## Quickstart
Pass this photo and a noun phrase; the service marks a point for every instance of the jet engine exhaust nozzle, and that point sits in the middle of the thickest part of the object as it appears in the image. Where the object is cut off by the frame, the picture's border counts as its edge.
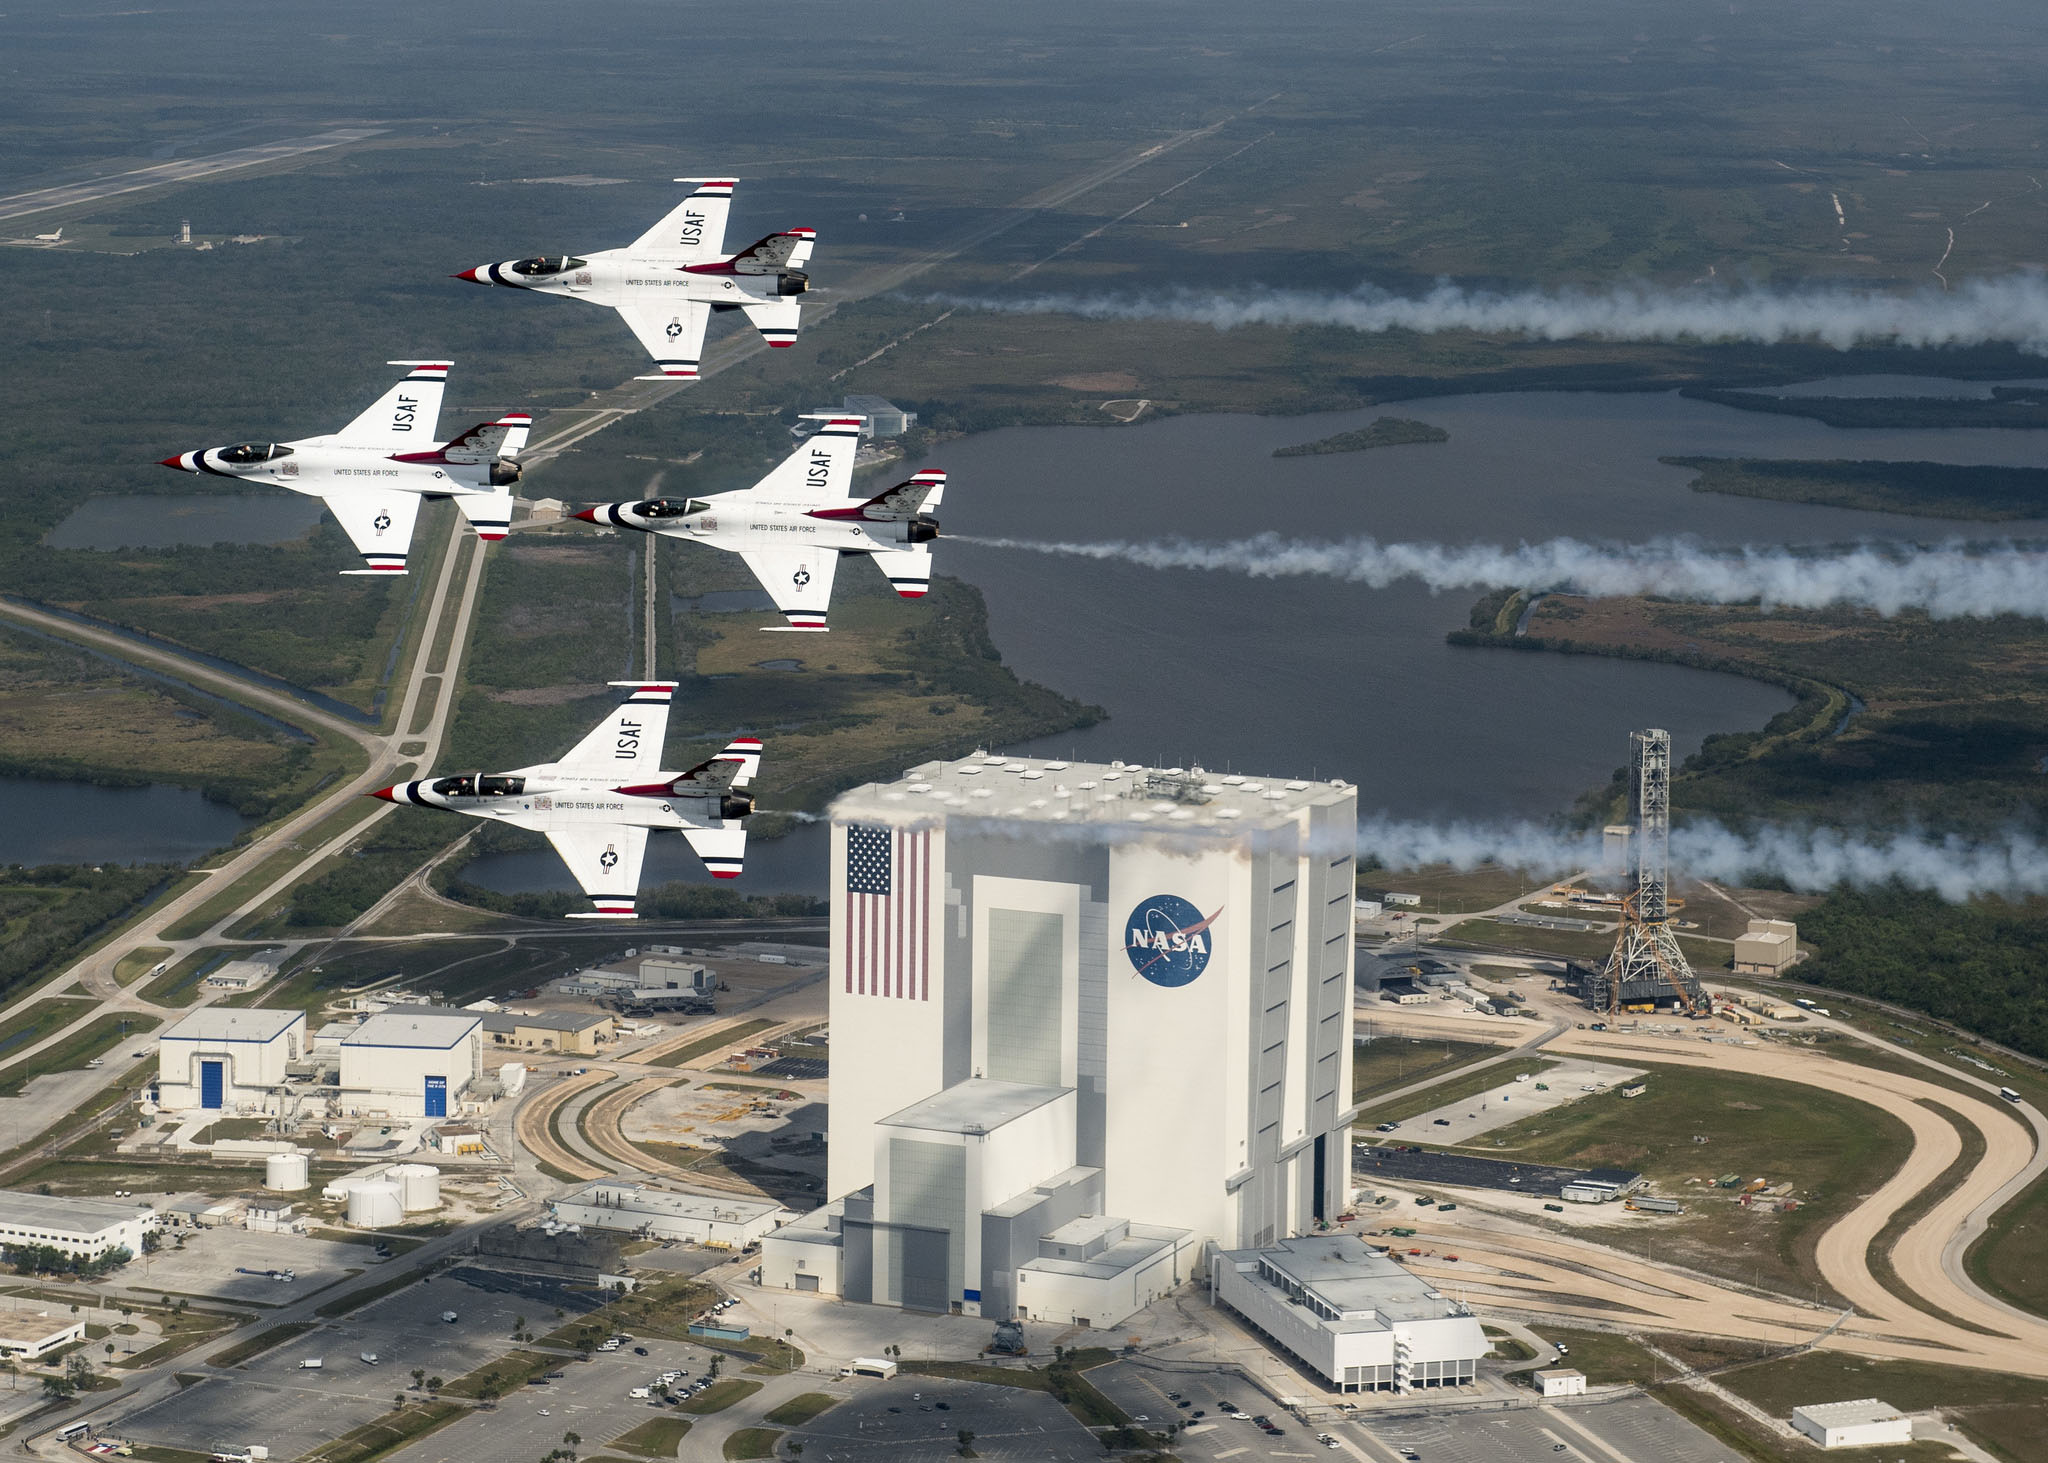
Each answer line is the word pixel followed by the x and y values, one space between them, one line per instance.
pixel 735 805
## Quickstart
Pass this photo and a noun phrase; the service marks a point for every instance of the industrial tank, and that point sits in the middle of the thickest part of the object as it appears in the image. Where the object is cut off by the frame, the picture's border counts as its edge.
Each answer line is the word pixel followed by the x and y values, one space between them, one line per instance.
pixel 375 1205
pixel 419 1186
pixel 287 1173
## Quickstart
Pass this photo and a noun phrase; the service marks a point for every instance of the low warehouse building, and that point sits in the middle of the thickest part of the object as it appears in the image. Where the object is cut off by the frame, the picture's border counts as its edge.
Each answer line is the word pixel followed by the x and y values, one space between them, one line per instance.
pixel 29 1335
pixel 562 1031
pixel 1860 1424
pixel 660 1214
pixel 1359 1320
pixel 1561 1381
pixel 85 1228
pixel 410 1064
pixel 221 1060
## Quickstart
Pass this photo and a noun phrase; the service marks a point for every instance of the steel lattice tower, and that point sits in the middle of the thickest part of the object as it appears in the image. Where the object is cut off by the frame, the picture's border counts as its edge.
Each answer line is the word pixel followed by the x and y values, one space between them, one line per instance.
pixel 1647 963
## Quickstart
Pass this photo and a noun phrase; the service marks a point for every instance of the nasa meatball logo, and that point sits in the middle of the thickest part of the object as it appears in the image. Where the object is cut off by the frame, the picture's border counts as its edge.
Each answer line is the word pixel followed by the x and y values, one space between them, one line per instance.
pixel 1168 940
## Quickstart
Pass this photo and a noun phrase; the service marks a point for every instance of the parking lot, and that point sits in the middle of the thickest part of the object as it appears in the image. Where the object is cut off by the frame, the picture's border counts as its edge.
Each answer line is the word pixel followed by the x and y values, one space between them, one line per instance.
pixel 1510 1102
pixel 206 1266
pixel 1144 1392
pixel 901 1419
pixel 1392 1162
pixel 1633 1428
pixel 275 1402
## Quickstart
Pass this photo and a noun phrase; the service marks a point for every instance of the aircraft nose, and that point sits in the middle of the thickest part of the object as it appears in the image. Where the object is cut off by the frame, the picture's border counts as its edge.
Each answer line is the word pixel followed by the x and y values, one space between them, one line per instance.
pixel 588 515
pixel 177 463
pixel 384 793
pixel 474 276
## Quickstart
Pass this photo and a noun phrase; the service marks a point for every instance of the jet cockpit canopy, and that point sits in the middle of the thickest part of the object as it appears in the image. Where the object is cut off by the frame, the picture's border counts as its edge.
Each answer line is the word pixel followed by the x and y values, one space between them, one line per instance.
pixel 542 265
pixel 671 507
pixel 242 454
pixel 461 785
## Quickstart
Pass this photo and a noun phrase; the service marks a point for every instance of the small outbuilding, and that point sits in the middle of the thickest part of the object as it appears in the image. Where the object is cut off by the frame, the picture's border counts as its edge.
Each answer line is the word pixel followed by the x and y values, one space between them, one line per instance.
pixel 1860 1424
pixel 1561 1381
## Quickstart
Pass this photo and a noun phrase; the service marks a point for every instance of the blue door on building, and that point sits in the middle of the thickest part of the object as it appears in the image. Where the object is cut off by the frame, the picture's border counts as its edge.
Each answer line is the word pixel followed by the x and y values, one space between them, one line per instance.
pixel 437 1097
pixel 211 1086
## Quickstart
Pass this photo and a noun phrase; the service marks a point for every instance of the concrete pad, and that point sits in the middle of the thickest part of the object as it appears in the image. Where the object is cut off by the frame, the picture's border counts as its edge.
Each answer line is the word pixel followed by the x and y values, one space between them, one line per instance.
pixel 1459 1122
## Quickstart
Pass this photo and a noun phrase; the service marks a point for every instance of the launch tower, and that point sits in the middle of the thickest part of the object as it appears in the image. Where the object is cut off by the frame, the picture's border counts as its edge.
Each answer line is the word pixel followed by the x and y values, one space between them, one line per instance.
pixel 1647 967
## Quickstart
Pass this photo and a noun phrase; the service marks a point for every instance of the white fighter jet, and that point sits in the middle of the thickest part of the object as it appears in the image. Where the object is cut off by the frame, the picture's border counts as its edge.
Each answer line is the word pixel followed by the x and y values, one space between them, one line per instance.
pixel 374 471
pixel 667 282
pixel 599 802
pixel 796 524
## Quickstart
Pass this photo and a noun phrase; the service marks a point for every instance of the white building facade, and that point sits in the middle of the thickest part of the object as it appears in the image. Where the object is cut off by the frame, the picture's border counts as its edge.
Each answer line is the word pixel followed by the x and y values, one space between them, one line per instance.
pixel 1864 1423
pixel 1359 1320
pixel 86 1228
pixel 410 1064
pixel 1164 955
pixel 223 1060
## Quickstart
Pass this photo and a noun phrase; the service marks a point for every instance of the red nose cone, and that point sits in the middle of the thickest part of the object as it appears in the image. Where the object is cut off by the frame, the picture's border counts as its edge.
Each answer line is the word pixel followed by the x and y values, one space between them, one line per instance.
pixel 588 515
pixel 474 276
pixel 382 792
pixel 176 463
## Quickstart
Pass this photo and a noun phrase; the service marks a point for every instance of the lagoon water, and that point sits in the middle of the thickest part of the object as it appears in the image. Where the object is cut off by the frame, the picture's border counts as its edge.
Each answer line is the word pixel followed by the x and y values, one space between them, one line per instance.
pixel 168 520
pixel 1308 677
pixel 50 822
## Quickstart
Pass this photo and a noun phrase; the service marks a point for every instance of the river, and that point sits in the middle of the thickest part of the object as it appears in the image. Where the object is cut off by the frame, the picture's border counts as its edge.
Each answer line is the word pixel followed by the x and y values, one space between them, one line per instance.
pixel 49 822
pixel 1320 678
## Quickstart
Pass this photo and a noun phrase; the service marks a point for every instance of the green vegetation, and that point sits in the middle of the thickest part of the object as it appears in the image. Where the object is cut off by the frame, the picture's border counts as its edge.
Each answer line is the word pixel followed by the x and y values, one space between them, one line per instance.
pixel 2011 1259
pixel 1977 964
pixel 800 1409
pixel 47 915
pixel 1832 1149
pixel 728 1036
pixel 720 1395
pixel 1605 1358
pixel 89 1041
pixel 1384 432
pixel 179 986
pixel 138 962
pixel 2007 406
pixel 182 1331
pixel 261 1342
pixel 40 1020
pixel 658 1437
pixel 1446 890
pixel 1924 489
pixel 341 1305
pixel 752 1442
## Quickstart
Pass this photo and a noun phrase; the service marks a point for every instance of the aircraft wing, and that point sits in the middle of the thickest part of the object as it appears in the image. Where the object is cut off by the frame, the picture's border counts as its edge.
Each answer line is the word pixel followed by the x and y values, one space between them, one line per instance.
pixel 799 580
pixel 408 412
pixel 604 859
pixel 626 745
pixel 380 521
pixel 723 849
pixel 694 230
pixel 672 333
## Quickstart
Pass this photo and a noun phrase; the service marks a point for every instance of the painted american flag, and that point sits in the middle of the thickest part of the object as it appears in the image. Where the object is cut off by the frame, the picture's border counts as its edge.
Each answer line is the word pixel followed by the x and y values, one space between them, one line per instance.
pixel 888 911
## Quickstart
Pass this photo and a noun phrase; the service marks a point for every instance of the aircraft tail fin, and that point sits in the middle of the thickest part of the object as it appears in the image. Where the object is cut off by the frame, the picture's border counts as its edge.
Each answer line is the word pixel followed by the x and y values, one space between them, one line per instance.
pixel 407 412
pixel 901 504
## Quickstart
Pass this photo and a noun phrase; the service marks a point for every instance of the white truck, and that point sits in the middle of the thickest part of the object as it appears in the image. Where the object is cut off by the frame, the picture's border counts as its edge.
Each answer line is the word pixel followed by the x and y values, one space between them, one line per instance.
pixel 312 1364
pixel 368 1358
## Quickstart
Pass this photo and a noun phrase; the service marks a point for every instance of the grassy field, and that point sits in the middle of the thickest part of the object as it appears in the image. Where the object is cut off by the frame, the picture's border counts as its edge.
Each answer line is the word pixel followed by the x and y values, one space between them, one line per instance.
pixel 720 1395
pixel 1490 934
pixel 800 1409
pixel 387 1434
pixel 1453 1089
pixel 1446 890
pixel 736 1035
pixel 1831 1149
pixel 1923 489
pixel 2005 1414
pixel 658 1437
pixel 261 1342
pixel 1395 1061
pixel 93 1040
pixel 33 1024
pixel 752 1442
pixel 179 986
pixel 137 963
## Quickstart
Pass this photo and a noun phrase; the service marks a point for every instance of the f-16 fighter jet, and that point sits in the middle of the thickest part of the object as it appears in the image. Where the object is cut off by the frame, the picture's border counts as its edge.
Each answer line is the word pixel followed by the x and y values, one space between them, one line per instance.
pixel 374 471
pixel 598 803
pixel 667 282
pixel 796 524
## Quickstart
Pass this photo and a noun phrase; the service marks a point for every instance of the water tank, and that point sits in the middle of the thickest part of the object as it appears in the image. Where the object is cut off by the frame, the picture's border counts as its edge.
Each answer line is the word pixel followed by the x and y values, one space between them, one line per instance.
pixel 375 1205
pixel 287 1173
pixel 419 1186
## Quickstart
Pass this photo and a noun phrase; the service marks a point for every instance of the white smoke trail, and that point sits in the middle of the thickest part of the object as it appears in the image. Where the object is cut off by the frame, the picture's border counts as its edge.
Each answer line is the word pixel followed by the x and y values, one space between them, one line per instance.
pixel 1807 859
pixel 2010 308
pixel 1951 581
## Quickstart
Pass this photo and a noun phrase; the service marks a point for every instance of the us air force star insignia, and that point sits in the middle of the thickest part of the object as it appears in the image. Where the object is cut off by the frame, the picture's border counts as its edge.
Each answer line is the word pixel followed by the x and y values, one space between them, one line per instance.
pixel 381 522
pixel 609 858
pixel 800 578
pixel 675 328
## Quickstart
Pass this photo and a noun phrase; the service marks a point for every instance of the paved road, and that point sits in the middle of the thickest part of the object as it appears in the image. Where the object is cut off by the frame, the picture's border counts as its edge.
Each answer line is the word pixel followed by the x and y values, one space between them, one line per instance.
pixel 70 195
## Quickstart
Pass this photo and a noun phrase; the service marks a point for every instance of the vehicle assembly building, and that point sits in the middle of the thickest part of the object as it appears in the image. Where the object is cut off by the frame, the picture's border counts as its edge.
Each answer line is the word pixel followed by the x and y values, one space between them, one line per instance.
pixel 1086 1020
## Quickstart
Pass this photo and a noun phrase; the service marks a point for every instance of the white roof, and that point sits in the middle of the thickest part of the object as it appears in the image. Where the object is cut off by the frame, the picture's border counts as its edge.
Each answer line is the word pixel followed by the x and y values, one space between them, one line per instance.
pixel 1166 800
pixel 636 1199
pixel 1848 1414
pixel 437 1032
pixel 222 1023
pixel 978 1105
pixel 66 1215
